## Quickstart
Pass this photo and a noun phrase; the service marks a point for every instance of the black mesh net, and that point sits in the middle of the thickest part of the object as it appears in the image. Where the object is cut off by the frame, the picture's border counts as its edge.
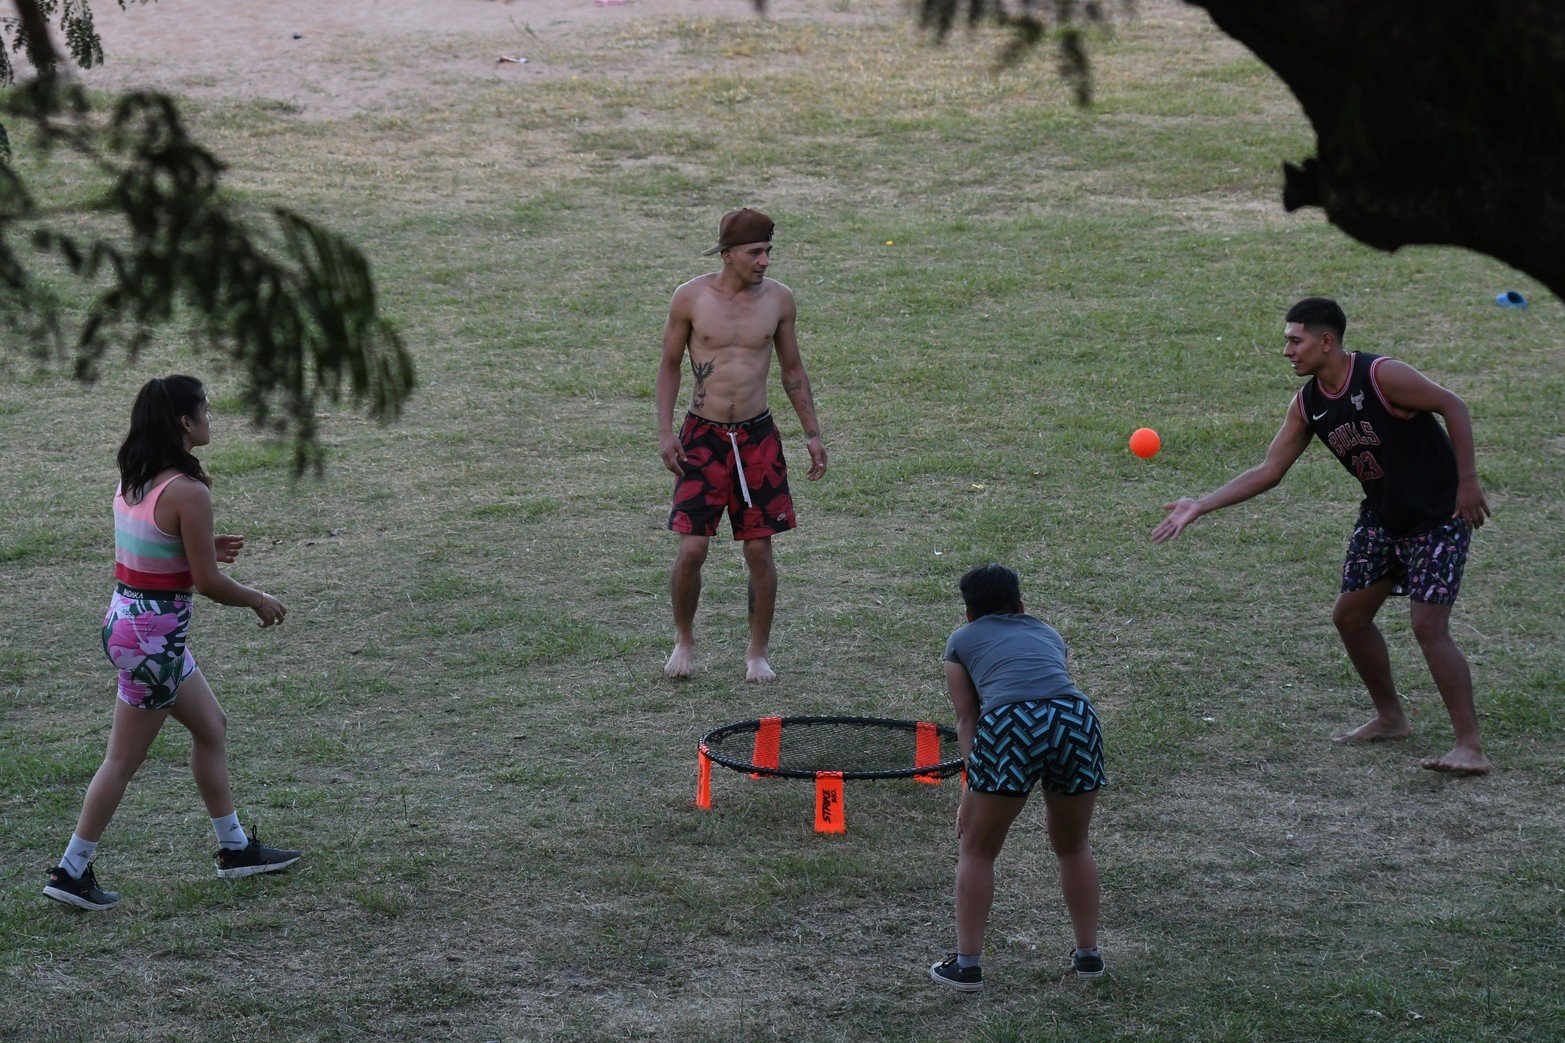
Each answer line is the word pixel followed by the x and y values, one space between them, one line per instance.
pixel 859 747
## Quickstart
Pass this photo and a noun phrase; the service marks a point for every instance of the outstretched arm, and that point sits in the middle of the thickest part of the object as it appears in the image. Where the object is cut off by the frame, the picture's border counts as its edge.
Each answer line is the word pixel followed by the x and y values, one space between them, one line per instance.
pixel 676 334
pixel 1409 390
pixel 192 503
pixel 797 385
pixel 1290 443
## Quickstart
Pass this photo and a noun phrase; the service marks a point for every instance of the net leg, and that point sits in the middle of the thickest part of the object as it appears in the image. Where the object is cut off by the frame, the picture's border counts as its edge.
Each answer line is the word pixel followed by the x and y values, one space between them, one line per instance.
pixel 704 781
pixel 829 816
pixel 768 739
pixel 927 752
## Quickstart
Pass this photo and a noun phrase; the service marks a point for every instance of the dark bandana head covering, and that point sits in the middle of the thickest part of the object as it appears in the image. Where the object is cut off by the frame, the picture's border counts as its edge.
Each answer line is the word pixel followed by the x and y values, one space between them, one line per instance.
pixel 741 226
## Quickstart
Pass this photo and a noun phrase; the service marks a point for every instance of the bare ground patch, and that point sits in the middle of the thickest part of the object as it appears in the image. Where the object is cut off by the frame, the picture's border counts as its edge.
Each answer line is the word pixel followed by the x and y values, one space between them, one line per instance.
pixel 358 56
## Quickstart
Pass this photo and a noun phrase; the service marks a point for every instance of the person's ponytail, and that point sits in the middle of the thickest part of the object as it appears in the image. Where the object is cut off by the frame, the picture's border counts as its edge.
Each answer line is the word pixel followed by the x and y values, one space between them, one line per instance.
pixel 156 440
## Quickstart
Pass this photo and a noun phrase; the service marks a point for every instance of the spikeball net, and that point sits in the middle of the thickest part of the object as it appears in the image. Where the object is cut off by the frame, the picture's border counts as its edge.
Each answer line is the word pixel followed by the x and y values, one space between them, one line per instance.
pixel 830 750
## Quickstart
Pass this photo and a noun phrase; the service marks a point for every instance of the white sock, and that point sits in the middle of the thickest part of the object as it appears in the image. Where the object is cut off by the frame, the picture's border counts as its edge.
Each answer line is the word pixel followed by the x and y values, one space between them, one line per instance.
pixel 230 834
pixel 77 854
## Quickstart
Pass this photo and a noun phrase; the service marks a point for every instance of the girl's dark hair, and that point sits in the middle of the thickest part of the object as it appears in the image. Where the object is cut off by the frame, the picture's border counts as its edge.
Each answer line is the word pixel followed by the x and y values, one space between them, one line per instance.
pixel 991 589
pixel 156 441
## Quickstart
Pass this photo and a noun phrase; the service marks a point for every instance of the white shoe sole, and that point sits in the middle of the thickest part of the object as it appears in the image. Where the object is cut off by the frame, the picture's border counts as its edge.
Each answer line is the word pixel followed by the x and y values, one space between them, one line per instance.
pixel 77 900
pixel 270 867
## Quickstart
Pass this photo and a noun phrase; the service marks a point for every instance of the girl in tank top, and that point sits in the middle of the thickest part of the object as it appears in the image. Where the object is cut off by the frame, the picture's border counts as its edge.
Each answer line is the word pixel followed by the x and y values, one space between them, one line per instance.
pixel 164 553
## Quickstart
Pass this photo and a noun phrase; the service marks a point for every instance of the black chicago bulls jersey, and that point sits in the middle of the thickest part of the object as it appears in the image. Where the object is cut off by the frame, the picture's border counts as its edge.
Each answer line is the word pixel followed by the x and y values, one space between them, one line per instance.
pixel 1403 460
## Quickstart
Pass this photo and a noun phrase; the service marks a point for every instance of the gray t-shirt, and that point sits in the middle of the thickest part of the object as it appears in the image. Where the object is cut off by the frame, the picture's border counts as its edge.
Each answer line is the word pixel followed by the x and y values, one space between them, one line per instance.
pixel 1011 658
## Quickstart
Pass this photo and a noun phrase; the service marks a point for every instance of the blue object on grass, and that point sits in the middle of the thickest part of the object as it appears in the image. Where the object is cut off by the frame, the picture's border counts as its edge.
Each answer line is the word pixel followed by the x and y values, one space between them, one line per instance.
pixel 1510 299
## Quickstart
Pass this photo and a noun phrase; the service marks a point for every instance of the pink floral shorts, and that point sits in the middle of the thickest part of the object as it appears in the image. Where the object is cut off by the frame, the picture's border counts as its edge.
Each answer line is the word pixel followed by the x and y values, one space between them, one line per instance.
pixel 144 635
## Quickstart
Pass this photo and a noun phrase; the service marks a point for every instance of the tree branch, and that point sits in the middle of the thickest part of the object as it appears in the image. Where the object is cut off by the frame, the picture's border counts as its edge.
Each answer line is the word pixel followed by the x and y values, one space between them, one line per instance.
pixel 39 41
pixel 292 305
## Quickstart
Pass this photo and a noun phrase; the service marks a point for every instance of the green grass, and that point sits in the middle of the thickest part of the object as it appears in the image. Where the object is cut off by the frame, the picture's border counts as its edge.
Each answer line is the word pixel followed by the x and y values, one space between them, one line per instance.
pixel 464 720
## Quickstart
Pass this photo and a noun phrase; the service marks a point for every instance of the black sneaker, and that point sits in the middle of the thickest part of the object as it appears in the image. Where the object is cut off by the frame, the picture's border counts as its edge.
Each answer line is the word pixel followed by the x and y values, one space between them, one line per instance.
pixel 946 972
pixel 1087 964
pixel 83 892
pixel 253 858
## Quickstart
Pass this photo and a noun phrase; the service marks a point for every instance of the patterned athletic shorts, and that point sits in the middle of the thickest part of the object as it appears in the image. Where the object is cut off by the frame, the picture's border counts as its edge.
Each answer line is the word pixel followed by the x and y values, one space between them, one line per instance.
pixel 1426 567
pixel 144 635
pixel 733 467
pixel 1055 740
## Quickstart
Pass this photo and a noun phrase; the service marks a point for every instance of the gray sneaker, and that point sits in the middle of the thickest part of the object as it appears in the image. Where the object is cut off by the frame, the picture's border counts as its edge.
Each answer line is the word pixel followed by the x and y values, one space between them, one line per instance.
pixel 83 892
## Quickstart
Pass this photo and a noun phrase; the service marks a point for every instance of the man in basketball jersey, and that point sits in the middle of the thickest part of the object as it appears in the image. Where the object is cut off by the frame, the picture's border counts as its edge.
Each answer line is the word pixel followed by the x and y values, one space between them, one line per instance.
pixel 1421 503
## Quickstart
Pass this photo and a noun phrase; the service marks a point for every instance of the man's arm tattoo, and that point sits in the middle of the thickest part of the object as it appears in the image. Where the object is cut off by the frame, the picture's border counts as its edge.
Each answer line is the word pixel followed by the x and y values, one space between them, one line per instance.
pixel 800 395
pixel 702 370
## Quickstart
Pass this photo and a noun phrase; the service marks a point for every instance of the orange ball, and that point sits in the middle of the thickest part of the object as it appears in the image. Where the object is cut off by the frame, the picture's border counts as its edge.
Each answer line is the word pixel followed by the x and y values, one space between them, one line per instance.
pixel 1145 443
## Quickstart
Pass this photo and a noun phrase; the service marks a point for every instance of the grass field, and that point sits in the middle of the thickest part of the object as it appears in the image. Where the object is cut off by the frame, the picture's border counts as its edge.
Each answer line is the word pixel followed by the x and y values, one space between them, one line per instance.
pixel 464 720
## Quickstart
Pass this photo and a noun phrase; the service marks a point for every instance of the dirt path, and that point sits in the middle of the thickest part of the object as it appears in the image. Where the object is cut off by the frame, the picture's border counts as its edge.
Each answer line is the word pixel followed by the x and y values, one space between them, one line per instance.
pixel 292 50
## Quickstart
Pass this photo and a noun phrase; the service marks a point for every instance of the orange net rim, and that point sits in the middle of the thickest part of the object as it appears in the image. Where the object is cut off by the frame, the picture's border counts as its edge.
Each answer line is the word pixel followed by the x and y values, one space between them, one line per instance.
pixel 943 769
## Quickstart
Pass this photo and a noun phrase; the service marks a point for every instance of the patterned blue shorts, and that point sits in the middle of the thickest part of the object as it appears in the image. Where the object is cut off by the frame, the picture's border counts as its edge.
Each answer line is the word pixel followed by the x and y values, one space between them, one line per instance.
pixel 1053 740
pixel 1426 567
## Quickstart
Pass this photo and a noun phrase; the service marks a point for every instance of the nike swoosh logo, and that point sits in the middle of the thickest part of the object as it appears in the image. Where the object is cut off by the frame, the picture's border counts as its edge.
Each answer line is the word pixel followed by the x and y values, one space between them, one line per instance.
pixel 1316 416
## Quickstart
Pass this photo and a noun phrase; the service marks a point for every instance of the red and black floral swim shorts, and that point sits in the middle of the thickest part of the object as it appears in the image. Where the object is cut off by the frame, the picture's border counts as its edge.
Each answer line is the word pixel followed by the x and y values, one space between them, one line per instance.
pixel 737 467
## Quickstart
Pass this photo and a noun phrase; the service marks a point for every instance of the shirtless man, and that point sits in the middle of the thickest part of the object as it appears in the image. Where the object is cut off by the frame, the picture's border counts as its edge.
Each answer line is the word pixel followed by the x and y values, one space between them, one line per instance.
pixel 1421 503
pixel 727 456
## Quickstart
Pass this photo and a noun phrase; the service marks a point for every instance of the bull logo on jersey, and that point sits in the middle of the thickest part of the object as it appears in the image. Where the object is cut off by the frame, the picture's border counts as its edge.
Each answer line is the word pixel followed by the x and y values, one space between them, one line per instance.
pixel 1357 398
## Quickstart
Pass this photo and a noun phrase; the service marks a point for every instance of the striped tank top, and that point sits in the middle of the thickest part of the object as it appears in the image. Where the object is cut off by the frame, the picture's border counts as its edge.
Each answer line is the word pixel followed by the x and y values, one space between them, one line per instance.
pixel 146 557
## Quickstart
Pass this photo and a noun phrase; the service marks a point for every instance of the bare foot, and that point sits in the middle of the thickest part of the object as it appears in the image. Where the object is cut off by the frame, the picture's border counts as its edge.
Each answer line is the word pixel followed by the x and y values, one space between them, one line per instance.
pixel 679 661
pixel 1377 730
pixel 1460 761
pixel 758 670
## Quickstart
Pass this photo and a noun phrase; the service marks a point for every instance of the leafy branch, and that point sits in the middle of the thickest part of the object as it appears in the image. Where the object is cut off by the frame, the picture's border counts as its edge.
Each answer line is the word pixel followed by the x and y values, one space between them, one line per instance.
pixel 1029 23
pixel 292 306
